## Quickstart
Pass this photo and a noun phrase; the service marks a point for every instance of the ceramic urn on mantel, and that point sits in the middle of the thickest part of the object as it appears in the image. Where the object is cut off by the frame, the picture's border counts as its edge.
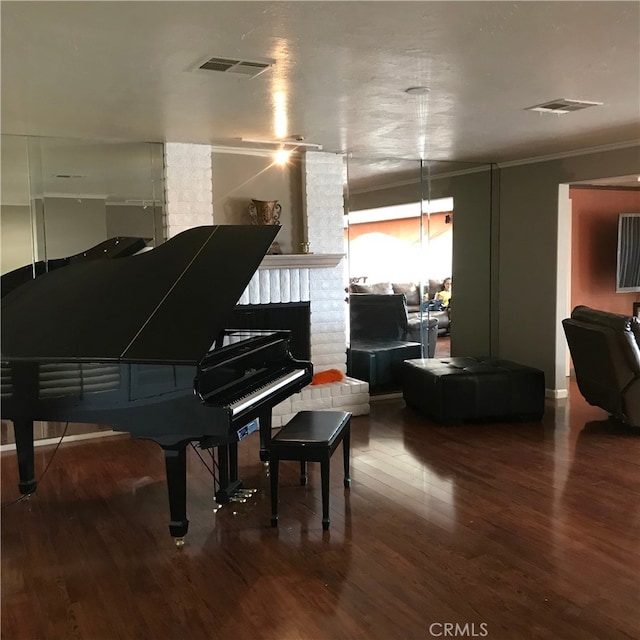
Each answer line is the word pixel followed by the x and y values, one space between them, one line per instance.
pixel 266 212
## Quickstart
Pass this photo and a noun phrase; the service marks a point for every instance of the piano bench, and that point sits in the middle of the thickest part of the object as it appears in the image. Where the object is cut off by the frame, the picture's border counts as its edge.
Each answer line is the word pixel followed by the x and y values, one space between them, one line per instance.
pixel 310 436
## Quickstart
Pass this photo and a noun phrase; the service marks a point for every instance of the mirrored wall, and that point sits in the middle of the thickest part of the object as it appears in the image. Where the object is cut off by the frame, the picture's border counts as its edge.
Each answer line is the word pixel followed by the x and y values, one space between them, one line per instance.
pixel 60 197
pixel 400 238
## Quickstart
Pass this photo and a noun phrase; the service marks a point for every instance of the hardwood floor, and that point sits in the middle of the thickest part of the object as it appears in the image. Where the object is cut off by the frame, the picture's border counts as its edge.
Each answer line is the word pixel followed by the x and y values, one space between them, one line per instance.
pixel 531 530
pixel 443 347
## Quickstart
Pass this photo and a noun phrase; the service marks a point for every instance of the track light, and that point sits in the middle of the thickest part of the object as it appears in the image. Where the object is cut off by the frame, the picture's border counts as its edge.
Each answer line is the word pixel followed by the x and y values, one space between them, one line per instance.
pixel 282 156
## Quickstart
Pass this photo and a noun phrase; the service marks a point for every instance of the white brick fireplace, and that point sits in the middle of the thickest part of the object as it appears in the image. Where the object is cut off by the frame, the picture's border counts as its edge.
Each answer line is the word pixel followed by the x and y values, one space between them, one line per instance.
pixel 317 278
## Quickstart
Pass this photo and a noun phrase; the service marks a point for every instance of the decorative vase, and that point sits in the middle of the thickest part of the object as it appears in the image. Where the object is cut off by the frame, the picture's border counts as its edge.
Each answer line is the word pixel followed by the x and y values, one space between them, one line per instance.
pixel 265 212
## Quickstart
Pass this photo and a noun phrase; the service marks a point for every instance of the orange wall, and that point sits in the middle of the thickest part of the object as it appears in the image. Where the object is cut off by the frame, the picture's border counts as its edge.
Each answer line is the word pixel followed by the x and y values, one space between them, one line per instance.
pixel 594 236
pixel 405 229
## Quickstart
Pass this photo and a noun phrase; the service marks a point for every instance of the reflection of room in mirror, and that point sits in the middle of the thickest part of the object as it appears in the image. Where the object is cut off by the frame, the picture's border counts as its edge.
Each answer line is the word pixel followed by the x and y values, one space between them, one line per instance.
pixel 61 196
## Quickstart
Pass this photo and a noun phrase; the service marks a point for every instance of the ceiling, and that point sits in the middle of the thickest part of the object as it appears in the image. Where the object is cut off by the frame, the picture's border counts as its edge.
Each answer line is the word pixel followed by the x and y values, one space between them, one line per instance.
pixel 127 71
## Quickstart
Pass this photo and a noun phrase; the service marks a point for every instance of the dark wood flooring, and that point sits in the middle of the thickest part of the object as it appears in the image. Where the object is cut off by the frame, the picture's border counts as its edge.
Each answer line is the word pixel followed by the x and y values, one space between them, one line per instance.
pixel 519 531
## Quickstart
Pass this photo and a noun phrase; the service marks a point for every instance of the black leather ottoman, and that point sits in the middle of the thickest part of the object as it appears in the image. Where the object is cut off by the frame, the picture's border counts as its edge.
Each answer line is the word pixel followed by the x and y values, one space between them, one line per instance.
pixel 453 390
pixel 380 363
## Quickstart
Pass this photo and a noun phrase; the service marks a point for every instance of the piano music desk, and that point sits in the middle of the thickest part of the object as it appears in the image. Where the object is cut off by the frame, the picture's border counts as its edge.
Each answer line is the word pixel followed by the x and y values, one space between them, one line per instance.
pixel 310 436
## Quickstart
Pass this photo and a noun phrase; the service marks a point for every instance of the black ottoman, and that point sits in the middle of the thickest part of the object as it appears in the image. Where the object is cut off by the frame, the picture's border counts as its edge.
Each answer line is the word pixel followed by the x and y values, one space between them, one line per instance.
pixel 453 390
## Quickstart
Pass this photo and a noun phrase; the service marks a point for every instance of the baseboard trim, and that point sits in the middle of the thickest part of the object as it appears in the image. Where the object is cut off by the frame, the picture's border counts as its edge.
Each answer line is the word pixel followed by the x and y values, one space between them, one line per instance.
pixel 556 394
pixel 385 396
pixel 74 438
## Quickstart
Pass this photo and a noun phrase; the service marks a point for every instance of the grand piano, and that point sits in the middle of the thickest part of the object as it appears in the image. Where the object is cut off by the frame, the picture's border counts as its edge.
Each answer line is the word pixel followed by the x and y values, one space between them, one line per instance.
pixel 139 343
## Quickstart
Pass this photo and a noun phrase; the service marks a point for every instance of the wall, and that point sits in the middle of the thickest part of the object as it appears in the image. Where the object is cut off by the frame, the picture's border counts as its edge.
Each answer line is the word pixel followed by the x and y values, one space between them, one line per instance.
pixel 134 221
pixel 532 297
pixel 16 248
pixel 594 237
pixel 239 178
pixel 73 224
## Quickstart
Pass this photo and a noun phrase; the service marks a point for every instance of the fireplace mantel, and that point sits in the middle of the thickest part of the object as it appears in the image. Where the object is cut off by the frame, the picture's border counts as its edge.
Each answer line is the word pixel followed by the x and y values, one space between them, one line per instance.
pixel 302 261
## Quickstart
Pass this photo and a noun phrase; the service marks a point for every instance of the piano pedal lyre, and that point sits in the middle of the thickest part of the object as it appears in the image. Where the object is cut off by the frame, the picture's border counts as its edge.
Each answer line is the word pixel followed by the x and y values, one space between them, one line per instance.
pixel 246 493
pixel 242 495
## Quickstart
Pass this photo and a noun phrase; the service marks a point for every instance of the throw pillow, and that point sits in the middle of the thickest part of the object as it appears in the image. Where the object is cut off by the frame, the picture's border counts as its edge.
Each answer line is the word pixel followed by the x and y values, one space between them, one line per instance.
pixel 330 375
pixel 411 292
pixel 381 288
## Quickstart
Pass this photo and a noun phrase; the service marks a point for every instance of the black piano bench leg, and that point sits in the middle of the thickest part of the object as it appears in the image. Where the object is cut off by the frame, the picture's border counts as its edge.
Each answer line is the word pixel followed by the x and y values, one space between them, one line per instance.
pixel 176 467
pixel 324 472
pixel 346 449
pixel 303 473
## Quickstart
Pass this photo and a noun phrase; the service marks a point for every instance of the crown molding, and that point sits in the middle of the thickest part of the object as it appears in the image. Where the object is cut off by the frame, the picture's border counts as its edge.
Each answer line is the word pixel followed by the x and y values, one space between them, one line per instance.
pixel 410 181
pixel 570 154
pixel 500 165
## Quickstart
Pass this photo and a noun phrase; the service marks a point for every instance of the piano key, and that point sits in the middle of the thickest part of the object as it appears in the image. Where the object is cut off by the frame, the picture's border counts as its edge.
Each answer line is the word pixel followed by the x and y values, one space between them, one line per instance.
pixel 243 403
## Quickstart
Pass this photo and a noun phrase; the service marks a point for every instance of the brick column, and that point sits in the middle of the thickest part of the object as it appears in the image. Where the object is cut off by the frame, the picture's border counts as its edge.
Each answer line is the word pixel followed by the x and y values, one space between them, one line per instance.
pixel 188 185
pixel 323 210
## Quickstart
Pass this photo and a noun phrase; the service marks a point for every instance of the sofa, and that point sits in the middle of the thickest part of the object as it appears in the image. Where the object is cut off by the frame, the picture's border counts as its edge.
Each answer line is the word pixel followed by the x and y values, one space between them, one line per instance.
pixel 382 337
pixel 605 350
pixel 411 292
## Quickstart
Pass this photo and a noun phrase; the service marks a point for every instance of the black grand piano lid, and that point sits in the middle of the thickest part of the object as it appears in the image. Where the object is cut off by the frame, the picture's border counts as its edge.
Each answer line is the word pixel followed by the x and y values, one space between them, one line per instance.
pixel 116 247
pixel 164 306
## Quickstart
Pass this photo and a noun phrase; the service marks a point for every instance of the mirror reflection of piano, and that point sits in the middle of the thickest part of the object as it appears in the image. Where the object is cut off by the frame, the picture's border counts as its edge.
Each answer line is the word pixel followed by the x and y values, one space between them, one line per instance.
pixel 138 343
pixel 118 247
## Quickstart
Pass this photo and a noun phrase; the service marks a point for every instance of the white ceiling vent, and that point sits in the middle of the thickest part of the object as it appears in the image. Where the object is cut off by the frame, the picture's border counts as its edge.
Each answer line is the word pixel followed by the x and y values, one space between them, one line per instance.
pixel 246 68
pixel 563 105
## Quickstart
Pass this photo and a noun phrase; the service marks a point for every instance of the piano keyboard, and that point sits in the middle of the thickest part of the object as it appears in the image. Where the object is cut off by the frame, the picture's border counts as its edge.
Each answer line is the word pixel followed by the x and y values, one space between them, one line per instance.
pixel 266 390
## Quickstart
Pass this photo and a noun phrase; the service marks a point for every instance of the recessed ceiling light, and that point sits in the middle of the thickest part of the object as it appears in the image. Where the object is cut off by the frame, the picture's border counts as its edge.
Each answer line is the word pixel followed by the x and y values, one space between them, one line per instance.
pixel 417 91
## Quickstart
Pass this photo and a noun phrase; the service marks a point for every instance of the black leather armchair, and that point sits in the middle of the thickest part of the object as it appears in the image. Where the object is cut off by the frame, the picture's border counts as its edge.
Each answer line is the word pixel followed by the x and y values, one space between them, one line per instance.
pixel 382 337
pixel 605 349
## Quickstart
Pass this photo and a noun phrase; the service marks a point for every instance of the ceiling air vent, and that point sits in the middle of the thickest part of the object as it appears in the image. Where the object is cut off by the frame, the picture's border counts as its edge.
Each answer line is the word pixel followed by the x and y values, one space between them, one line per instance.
pixel 563 105
pixel 247 68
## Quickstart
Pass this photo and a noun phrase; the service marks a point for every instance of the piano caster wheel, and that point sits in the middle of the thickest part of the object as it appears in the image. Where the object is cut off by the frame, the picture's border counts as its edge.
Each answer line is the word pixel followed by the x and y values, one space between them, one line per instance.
pixel 179 542
pixel 347 483
pixel 325 525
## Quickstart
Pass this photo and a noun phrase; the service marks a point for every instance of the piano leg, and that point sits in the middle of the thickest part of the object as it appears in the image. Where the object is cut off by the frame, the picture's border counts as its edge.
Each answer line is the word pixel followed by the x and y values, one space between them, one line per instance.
pixel 176 467
pixel 23 430
pixel 229 484
pixel 265 435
